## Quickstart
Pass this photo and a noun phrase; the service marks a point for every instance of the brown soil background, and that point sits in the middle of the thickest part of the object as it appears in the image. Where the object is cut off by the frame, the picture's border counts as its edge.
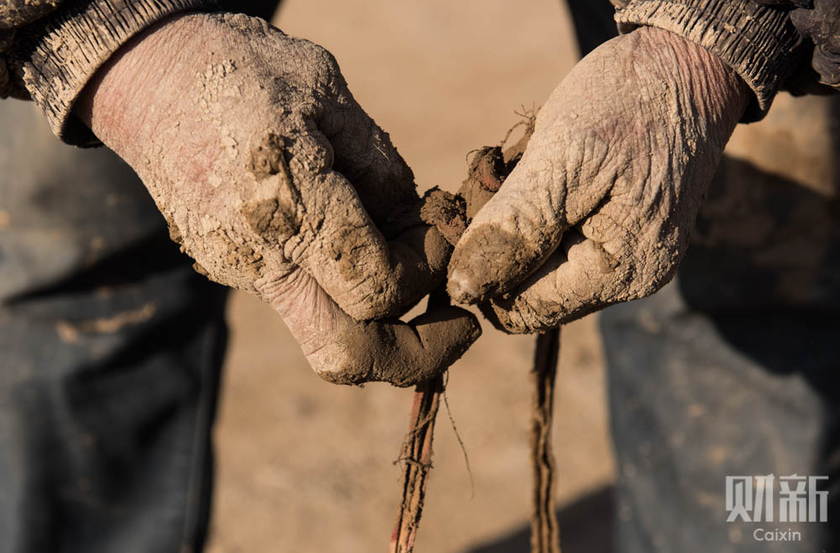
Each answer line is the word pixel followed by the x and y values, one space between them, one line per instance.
pixel 306 466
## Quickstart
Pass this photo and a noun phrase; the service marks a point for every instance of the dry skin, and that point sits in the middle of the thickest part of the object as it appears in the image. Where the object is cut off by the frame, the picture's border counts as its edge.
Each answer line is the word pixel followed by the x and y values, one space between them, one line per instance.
pixel 294 194
pixel 600 207
pixel 275 180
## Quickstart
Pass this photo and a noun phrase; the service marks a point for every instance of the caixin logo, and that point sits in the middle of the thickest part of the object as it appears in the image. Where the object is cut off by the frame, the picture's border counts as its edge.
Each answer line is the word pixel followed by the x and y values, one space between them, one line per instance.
pixel 791 498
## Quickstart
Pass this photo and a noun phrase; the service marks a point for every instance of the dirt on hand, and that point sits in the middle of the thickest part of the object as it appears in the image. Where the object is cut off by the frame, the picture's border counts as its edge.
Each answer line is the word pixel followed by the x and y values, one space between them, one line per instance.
pixel 249 142
pixel 600 208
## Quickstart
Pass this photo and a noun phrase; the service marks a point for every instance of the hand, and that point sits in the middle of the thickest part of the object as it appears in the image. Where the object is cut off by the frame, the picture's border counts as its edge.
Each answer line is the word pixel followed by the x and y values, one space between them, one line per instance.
pixel 277 182
pixel 600 207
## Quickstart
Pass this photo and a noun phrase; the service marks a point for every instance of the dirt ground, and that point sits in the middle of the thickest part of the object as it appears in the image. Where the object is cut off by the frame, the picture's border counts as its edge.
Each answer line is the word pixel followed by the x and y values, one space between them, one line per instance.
pixel 307 466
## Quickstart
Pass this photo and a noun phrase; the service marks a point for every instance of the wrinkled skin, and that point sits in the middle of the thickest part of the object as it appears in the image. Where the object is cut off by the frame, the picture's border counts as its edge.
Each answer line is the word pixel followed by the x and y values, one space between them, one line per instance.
pixel 277 182
pixel 599 209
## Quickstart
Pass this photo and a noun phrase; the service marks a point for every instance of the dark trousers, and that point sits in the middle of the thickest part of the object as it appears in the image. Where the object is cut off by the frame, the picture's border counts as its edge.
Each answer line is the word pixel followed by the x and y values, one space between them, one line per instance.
pixel 110 351
pixel 110 354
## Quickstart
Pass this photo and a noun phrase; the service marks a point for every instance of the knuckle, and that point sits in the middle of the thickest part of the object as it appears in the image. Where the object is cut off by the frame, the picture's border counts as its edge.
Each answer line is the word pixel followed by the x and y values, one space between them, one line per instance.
pixel 367 307
pixel 345 367
pixel 518 318
pixel 286 288
pixel 653 282
pixel 333 376
pixel 653 269
pixel 324 67
pixel 366 296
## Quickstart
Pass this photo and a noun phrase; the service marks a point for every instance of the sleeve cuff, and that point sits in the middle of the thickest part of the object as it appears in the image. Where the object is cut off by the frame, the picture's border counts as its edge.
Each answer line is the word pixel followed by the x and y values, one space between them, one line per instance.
pixel 56 56
pixel 757 42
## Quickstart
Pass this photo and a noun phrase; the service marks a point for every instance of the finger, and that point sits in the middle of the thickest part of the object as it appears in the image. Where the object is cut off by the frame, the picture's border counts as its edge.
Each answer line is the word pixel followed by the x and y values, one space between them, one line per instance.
pixel 344 351
pixel 367 276
pixel 524 222
pixel 578 279
pixel 608 258
pixel 365 155
pixel 333 238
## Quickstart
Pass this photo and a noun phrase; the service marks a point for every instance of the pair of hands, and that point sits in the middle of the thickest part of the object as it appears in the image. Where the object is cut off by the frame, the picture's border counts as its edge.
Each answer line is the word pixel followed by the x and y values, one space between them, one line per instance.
pixel 276 181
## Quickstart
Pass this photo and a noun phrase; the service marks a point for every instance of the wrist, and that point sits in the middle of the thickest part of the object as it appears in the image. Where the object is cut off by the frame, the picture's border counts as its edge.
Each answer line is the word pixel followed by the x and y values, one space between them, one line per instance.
pixel 717 93
pixel 138 86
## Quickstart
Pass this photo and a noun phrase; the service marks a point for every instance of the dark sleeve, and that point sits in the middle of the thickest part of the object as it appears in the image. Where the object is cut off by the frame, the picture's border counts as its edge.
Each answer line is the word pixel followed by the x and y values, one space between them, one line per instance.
pixel 14 14
pixel 53 57
pixel 819 24
pixel 757 41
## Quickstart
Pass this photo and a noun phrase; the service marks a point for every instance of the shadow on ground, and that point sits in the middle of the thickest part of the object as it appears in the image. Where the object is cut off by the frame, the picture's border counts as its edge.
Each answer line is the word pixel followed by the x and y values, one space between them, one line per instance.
pixel 585 527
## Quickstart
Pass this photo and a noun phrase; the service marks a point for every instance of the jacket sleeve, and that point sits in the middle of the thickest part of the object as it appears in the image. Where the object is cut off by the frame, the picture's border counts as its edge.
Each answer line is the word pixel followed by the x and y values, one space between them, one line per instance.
pixel 49 49
pixel 14 14
pixel 819 24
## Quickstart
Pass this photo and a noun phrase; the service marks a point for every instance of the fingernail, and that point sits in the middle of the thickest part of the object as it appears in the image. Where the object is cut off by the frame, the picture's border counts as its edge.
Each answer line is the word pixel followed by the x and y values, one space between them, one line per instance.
pixel 461 288
pixel 488 262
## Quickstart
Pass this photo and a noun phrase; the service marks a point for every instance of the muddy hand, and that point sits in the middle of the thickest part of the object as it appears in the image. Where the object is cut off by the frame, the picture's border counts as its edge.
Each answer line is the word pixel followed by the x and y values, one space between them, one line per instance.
pixel 277 182
pixel 600 207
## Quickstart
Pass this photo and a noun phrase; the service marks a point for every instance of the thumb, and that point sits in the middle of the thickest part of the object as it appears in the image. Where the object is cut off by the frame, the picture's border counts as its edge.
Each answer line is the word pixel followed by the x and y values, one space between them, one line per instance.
pixel 555 185
pixel 569 285
pixel 513 234
pixel 342 350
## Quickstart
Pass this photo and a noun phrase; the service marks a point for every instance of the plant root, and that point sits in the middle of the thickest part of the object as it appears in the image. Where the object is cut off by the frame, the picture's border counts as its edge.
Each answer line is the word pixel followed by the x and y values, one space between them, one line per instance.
pixel 451 214
pixel 545 536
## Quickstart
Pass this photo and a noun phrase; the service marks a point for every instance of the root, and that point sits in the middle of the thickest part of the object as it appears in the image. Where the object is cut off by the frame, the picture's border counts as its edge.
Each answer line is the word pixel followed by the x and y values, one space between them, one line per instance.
pixel 458 437
pixel 450 215
pixel 417 453
pixel 417 456
pixel 545 536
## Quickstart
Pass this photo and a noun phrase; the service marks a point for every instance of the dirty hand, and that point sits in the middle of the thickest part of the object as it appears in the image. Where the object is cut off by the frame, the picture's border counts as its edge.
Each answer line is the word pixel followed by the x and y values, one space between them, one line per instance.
pixel 600 207
pixel 277 182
